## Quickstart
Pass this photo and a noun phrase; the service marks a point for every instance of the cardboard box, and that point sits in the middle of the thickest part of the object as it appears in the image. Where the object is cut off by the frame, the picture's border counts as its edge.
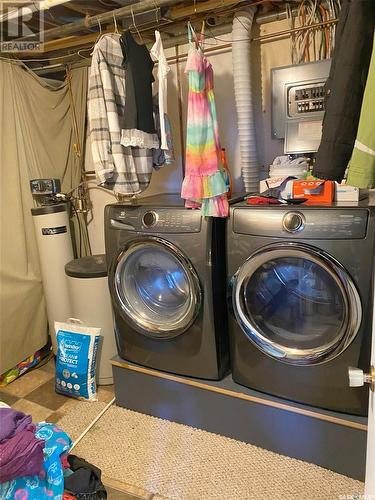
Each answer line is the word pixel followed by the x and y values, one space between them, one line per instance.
pixel 316 191
pixel 343 192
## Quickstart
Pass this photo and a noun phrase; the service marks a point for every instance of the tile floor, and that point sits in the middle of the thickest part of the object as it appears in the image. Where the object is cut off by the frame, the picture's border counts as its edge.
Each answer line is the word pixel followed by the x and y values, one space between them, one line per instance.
pixel 34 393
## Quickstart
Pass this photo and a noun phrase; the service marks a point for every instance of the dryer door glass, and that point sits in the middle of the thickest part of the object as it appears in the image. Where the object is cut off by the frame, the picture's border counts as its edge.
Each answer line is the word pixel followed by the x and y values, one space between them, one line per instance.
pixel 157 288
pixel 296 305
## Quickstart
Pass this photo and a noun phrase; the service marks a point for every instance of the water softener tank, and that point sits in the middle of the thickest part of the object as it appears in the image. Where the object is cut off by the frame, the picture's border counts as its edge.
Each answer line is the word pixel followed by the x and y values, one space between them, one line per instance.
pixel 55 248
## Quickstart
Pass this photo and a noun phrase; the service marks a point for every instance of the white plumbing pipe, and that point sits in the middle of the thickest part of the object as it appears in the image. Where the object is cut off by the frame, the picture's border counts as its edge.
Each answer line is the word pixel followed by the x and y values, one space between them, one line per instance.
pixel 241 55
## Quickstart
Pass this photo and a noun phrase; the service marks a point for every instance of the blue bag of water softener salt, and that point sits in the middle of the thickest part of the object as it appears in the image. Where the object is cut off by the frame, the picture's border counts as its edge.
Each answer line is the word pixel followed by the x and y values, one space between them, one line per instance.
pixel 77 347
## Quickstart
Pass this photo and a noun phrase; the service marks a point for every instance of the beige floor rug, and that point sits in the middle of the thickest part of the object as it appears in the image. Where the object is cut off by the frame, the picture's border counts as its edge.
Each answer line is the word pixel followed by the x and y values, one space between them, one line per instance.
pixel 180 462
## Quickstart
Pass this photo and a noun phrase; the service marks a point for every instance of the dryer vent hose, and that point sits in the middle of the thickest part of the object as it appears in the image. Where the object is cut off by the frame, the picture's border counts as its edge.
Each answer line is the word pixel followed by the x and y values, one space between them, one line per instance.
pixel 241 52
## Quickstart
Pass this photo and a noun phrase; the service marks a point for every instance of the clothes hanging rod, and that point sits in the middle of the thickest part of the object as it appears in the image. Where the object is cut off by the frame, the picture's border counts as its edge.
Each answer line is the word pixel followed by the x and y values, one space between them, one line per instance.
pixel 290 31
pixel 122 12
pixel 180 40
pixel 267 36
pixel 106 17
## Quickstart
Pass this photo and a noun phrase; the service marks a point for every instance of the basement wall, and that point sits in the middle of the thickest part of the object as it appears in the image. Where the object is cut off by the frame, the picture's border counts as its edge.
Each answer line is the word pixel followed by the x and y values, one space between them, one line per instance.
pixel 265 55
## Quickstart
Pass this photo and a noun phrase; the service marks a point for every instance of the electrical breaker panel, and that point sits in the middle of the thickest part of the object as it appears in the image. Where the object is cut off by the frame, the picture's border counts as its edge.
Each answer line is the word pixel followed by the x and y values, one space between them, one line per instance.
pixel 304 99
pixel 298 105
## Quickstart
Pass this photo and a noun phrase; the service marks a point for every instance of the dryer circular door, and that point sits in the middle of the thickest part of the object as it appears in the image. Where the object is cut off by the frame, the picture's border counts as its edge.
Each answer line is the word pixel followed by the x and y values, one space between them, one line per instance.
pixel 296 303
pixel 156 288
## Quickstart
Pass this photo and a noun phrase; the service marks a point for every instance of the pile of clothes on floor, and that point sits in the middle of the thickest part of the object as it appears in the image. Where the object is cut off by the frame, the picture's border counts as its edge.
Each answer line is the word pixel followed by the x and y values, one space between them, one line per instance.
pixel 35 463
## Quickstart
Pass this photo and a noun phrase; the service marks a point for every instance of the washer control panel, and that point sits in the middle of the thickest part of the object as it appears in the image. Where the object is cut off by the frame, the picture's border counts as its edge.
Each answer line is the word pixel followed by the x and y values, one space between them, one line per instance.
pixel 156 220
pixel 173 220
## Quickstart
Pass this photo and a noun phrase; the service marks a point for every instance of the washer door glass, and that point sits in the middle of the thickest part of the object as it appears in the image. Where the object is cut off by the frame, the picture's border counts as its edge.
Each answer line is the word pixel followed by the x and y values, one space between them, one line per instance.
pixel 296 304
pixel 157 288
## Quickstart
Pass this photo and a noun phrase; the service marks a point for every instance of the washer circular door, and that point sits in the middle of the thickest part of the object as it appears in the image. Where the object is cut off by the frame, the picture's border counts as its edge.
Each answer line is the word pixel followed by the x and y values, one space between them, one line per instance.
pixel 296 303
pixel 156 288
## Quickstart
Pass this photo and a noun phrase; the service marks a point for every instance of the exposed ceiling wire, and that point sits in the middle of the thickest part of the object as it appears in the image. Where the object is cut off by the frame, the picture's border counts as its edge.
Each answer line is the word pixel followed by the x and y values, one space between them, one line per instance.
pixel 315 43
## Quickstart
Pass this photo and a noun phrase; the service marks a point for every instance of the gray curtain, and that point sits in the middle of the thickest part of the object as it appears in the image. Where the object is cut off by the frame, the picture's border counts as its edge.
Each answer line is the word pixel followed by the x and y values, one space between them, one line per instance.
pixel 37 140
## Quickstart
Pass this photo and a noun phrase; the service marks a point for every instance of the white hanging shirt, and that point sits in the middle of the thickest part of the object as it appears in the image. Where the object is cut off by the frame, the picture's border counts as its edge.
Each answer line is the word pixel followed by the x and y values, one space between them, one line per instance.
pixel 157 53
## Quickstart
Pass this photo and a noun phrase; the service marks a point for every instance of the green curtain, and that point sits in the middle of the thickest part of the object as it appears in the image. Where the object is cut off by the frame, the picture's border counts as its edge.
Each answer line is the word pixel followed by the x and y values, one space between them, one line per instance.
pixel 37 140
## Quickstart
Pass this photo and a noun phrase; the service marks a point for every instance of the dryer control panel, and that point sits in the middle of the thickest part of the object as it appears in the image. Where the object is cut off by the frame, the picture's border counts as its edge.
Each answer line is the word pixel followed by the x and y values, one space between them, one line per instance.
pixel 342 223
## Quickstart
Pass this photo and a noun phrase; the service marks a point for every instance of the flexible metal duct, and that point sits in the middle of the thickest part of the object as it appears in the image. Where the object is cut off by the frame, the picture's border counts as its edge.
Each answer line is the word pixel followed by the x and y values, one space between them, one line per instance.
pixel 241 53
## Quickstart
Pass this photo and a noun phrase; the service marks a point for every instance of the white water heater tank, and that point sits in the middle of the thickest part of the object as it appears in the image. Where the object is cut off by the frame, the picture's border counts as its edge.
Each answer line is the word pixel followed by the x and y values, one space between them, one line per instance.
pixel 55 248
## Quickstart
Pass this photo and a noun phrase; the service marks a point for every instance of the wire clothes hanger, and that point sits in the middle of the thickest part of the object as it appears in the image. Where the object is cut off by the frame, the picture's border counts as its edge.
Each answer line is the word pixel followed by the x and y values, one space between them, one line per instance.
pixel 115 24
pixel 134 24
pixel 157 8
pixel 116 30
pixel 99 37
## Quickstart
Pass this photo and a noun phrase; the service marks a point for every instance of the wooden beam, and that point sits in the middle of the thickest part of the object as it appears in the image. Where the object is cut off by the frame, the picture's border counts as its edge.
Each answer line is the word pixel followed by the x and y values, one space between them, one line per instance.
pixel 82 40
pixel 198 8
pixel 84 9
pixel 76 41
pixel 209 6
pixel 50 23
pixel 77 8
pixel 73 41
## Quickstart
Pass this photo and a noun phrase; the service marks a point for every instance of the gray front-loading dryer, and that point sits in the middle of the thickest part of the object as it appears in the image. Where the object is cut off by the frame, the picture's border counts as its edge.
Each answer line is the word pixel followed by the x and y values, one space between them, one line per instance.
pixel 167 283
pixel 300 282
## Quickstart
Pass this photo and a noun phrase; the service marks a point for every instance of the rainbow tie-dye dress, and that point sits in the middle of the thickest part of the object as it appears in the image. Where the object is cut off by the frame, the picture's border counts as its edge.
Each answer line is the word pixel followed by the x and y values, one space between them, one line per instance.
pixel 204 183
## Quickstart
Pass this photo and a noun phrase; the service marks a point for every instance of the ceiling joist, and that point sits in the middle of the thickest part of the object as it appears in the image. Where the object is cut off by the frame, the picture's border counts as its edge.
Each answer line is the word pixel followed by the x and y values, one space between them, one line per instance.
pixel 103 18
pixel 74 40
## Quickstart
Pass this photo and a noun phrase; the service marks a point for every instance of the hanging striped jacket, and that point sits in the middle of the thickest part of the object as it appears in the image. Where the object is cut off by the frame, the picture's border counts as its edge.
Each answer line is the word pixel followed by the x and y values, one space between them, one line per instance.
pixel 124 170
